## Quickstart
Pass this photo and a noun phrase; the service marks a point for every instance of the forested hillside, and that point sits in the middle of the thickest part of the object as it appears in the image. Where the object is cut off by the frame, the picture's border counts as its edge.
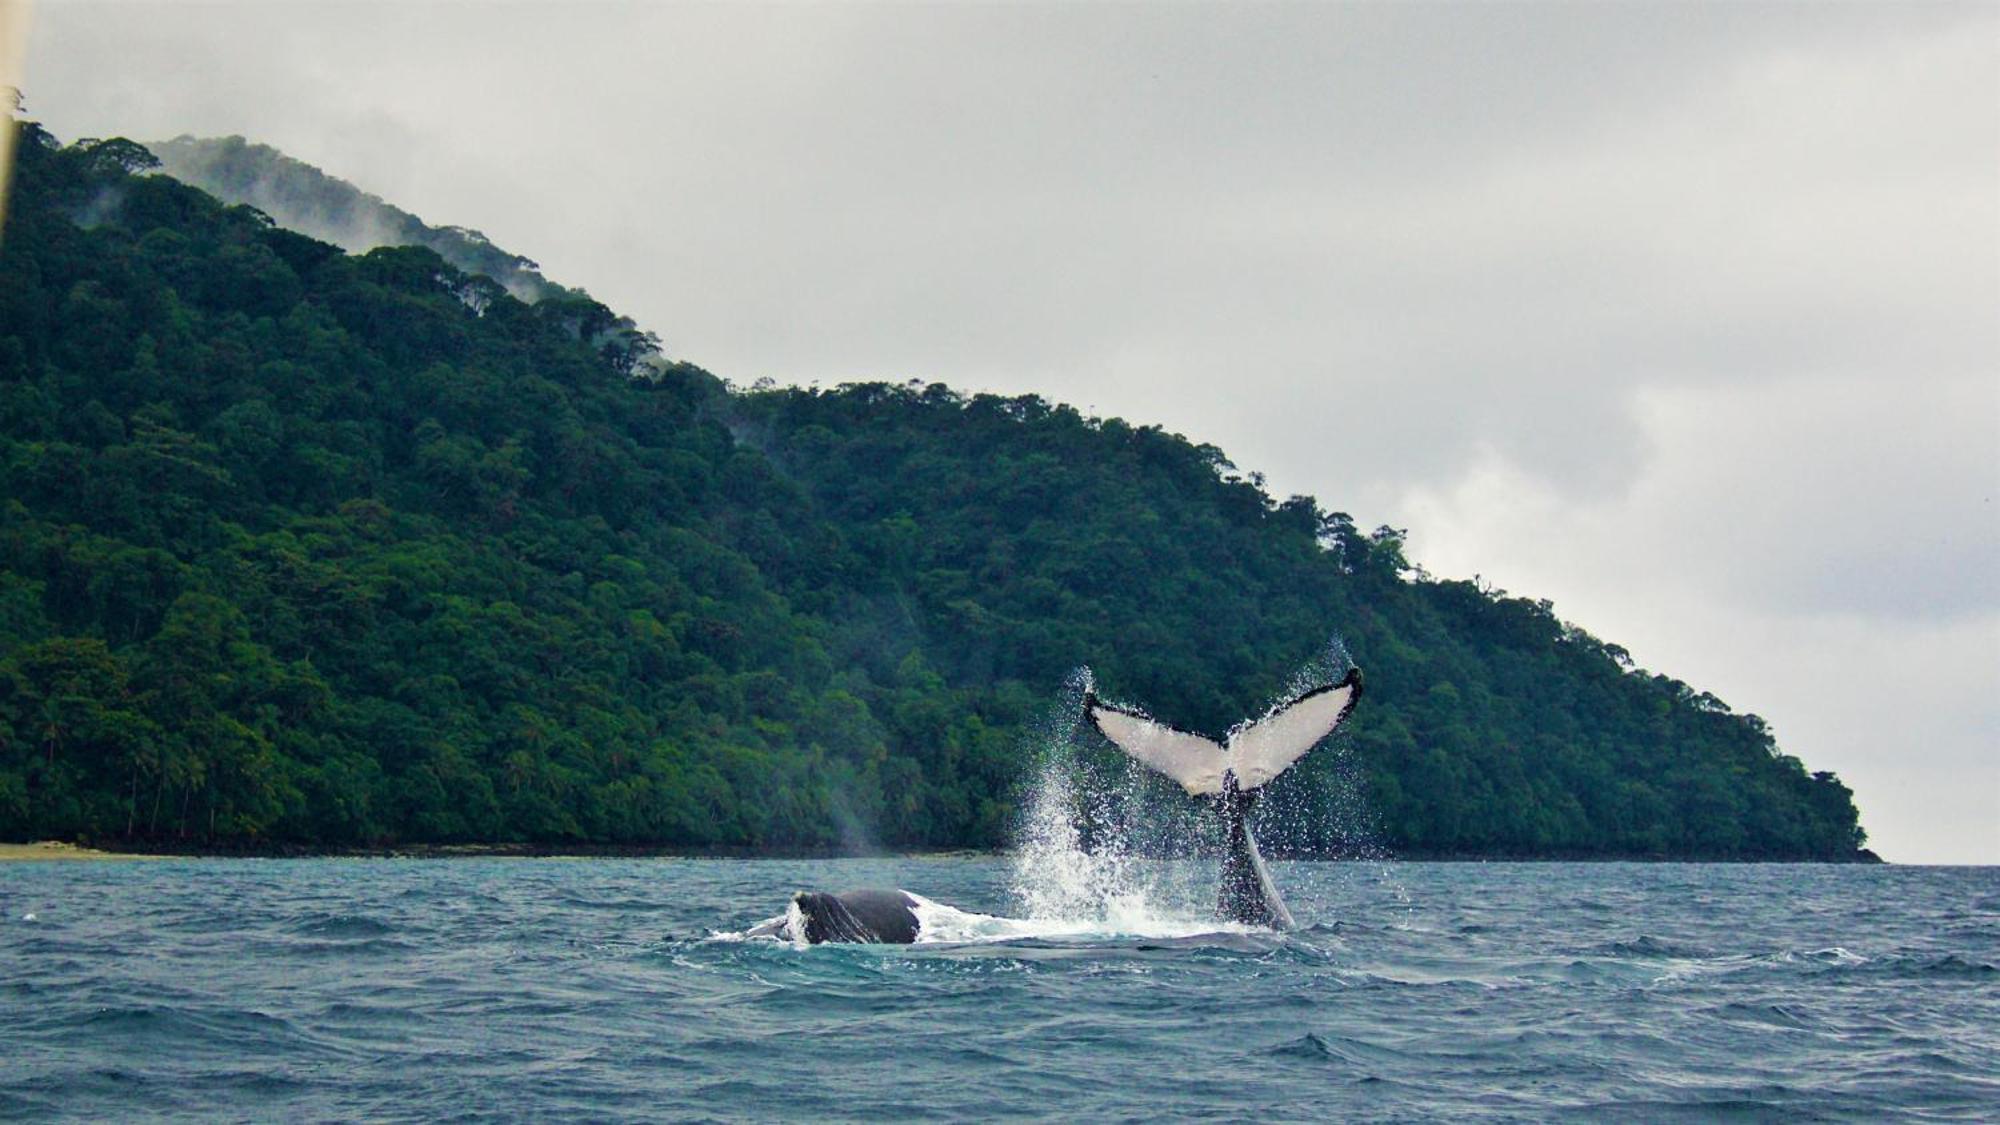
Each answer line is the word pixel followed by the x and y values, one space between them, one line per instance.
pixel 311 548
pixel 304 199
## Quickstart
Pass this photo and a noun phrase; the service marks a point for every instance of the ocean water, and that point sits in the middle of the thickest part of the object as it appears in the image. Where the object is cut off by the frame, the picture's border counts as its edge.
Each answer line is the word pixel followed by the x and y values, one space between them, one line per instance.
pixel 607 989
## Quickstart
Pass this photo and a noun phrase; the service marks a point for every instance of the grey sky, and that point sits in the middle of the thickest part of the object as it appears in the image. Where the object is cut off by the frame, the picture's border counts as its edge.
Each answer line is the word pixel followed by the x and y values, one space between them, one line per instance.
pixel 1680 315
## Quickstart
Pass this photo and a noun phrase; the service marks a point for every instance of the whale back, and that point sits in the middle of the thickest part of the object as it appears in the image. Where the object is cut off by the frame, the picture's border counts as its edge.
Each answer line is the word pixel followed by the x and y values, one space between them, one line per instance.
pixel 868 916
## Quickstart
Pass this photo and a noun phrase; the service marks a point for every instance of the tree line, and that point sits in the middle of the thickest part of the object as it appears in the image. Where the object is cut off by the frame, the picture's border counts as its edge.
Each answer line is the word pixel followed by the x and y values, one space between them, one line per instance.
pixel 299 547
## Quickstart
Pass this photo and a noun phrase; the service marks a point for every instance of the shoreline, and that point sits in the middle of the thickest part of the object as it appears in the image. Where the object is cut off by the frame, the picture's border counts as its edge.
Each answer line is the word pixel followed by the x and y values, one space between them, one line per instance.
pixel 59 850
pixel 43 851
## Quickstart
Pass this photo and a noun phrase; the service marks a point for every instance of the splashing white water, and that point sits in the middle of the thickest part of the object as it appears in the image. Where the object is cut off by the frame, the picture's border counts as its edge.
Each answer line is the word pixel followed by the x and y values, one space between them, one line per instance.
pixel 1058 878
pixel 940 923
pixel 1089 854
pixel 1112 847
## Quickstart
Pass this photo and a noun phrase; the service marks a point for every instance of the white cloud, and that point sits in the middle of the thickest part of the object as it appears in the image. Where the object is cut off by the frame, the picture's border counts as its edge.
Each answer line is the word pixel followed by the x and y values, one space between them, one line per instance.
pixel 1825 554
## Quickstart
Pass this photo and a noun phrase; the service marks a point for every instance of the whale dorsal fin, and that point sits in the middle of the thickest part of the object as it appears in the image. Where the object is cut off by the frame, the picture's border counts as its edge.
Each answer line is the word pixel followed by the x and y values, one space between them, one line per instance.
pixel 1269 746
pixel 1195 762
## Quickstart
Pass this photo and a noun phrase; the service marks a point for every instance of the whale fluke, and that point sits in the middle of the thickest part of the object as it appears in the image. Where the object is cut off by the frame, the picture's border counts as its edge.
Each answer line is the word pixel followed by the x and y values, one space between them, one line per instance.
pixel 1231 773
pixel 1255 753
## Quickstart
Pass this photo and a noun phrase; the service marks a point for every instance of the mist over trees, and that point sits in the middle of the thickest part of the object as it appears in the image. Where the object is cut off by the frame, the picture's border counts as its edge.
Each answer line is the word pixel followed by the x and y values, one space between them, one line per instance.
pixel 300 197
pixel 303 547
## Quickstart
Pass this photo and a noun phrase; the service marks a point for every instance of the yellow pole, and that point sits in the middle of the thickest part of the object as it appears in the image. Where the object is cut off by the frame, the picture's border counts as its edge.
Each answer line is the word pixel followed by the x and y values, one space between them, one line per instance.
pixel 13 59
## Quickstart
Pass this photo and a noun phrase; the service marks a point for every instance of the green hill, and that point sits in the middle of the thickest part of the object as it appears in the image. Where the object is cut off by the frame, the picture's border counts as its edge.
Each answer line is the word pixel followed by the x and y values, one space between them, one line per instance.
pixel 301 197
pixel 304 547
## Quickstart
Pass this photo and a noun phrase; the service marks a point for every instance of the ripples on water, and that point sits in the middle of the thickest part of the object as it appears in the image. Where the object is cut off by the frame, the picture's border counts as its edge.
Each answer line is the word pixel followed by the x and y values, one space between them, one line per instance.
pixel 421 989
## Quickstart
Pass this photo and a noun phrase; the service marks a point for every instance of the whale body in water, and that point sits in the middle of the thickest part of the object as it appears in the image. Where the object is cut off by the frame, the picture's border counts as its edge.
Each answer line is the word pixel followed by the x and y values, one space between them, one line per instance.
pixel 1230 774
pixel 882 916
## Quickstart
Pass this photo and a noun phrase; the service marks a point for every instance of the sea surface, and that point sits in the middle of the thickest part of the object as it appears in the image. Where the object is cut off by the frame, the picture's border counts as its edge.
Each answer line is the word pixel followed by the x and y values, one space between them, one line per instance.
pixel 599 989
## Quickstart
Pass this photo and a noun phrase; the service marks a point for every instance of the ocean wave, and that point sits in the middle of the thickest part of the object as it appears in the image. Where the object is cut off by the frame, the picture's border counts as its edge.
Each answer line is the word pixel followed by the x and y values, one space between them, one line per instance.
pixel 351 947
pixel 1646 946
pixel 1948 965
pixel 342 926
pixel 1768 1015
pixel 1332 1048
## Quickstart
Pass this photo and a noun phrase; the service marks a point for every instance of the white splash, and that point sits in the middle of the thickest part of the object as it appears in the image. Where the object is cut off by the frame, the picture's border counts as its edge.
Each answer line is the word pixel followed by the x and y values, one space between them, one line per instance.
pixel 795 926
pixel 939 923
pixel 1081 867
pixel 789 928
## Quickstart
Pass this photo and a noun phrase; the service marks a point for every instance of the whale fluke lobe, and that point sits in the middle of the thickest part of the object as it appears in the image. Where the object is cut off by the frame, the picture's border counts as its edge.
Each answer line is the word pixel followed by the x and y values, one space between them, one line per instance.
pixel 1231 774
pixel 1196 762
pixel 1269 746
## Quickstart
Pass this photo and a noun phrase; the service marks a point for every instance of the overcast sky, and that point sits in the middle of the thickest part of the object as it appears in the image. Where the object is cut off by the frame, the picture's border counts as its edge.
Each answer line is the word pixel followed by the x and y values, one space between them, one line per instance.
pixel 1683 316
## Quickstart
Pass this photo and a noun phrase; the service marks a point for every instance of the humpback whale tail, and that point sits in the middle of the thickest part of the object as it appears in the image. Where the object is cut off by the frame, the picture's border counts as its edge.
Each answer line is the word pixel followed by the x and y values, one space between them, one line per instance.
pixel 1254 754
pixel 1231 773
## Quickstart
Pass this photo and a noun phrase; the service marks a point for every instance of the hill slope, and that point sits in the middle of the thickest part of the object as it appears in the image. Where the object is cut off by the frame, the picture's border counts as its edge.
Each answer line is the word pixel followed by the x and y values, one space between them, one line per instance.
pixel 305 199
pixel 298 546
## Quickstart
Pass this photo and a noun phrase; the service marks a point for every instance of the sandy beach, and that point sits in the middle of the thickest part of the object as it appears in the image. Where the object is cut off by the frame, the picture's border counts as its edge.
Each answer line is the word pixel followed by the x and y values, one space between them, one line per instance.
pixel 55 849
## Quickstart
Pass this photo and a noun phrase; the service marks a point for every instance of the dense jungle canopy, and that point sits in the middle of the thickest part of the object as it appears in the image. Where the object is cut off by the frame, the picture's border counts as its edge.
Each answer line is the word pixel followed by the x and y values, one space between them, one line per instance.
pixel 304 548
